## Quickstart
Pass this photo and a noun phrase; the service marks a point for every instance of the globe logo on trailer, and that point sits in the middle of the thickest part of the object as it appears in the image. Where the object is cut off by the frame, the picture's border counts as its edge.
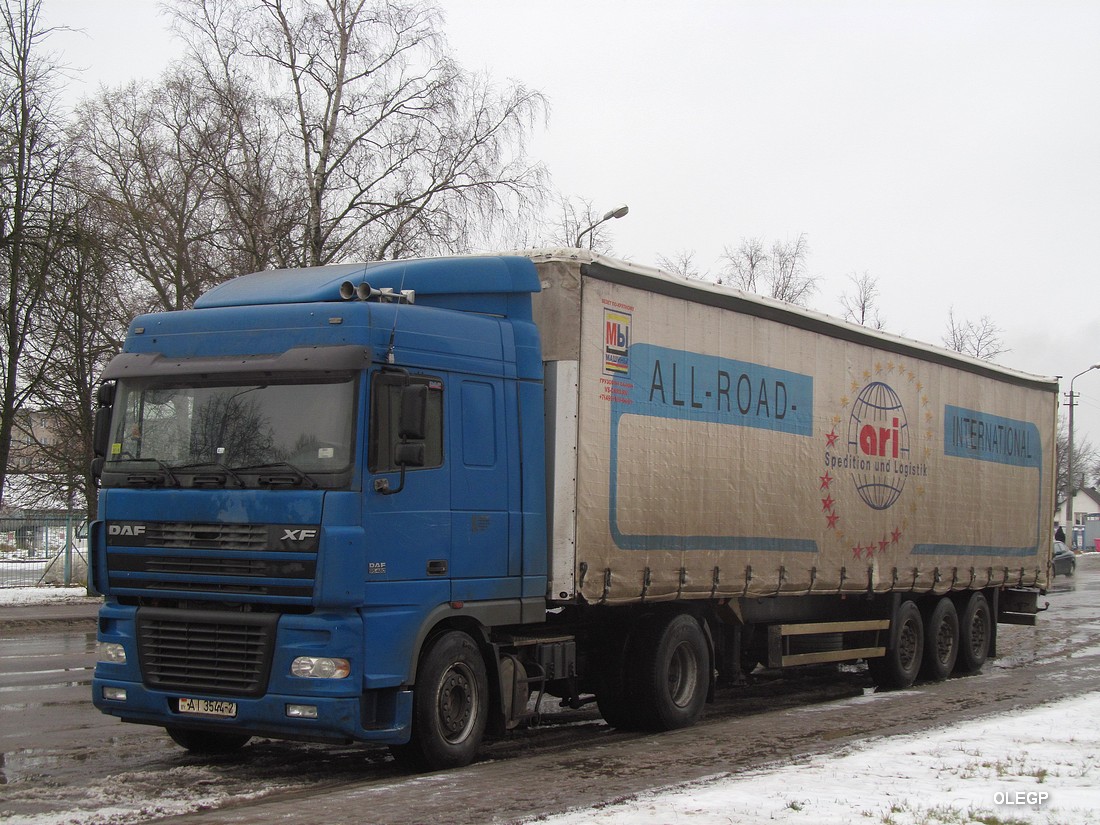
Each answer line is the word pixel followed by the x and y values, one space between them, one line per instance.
pixel 878 442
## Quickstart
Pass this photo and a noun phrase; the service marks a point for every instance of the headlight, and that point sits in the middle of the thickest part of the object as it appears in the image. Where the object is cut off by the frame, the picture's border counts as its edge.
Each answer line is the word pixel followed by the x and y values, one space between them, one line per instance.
pixel 319 667
pixel 111 653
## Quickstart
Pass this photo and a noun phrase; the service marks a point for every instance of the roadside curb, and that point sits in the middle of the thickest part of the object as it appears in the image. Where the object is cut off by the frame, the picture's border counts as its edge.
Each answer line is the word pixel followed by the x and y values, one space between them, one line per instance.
pixel 28 617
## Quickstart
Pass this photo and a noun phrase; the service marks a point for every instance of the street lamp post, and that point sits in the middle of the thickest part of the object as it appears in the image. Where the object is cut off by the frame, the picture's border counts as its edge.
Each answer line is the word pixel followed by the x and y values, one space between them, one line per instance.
pixel 1069 453
pixel 617 212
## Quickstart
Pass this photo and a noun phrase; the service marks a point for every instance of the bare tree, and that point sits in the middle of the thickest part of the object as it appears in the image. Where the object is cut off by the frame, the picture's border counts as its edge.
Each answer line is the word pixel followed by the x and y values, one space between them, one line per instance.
pixel 1086 462
pixel 781 273
pixel 790 280
pixel 147 152
pixel 746 265
pixel 571 217
pixel 392 149
pixel 683 264
pixel 980 339
pixel 32 216
pixel 83 323
pixel 861 307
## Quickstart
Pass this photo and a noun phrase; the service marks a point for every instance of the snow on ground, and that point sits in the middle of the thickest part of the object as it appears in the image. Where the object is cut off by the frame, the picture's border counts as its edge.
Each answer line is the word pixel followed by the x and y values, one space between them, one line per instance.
pixel 14 596
pixel 1040 767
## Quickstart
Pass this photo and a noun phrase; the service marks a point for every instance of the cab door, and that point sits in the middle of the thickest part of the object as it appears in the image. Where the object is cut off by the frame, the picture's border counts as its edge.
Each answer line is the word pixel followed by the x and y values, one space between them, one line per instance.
pixel 408 533
pixel 485 559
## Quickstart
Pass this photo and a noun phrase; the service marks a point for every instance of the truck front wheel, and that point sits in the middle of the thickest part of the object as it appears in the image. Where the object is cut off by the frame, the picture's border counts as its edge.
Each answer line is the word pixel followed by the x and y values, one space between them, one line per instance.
pixel 450 705
pixel 207 743
pixel 901 664
pixel 673 673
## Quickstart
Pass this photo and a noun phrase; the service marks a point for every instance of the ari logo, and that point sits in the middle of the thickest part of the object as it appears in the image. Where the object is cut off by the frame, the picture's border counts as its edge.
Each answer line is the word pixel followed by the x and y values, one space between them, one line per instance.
pixel 877 433
pixel 879 452
pixel 616 341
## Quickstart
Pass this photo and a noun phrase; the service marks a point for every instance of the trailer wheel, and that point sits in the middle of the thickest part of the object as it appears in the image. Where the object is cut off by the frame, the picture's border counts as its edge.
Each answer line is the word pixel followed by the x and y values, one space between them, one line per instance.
pixel 901 664
pixel 941 641
pixel 207 743
pixel 975 634
pixel 673 672
pixel 450 705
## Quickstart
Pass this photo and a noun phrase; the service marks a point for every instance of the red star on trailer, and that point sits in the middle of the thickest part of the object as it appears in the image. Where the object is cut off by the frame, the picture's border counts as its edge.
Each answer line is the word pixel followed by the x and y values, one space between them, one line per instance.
pixel 826 480
pixel 831 437
pixel 827 504
pixel 832 518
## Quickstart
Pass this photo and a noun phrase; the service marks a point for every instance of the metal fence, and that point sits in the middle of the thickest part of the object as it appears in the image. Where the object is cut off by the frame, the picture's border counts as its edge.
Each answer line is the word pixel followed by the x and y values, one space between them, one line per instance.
pixel 43 550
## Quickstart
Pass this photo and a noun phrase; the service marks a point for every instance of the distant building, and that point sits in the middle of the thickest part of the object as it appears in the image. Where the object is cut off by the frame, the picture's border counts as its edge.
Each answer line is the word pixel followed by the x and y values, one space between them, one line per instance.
pixel 33 431
pixel 1086 511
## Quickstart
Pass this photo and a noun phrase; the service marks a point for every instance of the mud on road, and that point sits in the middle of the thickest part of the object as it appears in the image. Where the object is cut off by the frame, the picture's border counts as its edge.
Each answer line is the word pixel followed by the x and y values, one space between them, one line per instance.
pixel 136 775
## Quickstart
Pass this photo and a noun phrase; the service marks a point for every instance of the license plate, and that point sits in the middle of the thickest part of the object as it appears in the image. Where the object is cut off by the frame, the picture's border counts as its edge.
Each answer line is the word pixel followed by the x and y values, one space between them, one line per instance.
pixel 207 707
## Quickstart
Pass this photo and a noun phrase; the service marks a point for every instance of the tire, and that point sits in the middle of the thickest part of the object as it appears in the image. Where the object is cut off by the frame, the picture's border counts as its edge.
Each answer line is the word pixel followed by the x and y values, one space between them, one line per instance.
pixel 673 673
pixel 941 641
pixel 975 634
pixel 207 743
pixel 898 669
pixel 450 705
pixel 613 696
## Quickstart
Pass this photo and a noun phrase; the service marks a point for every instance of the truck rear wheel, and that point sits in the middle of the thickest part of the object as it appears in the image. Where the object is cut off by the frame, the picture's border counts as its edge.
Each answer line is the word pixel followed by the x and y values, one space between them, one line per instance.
pixel 941 641
pixel 975 634
pixel 207 743
pixel 901 664
pixel 673 671
pixel 450 705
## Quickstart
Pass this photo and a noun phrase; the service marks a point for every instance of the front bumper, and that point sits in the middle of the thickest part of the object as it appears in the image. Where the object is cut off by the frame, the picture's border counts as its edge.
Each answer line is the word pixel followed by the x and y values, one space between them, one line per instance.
pixel 378 716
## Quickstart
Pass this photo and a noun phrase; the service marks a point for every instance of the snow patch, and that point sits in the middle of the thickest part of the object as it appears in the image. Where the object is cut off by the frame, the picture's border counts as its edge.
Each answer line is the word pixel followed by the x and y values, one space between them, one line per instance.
pixel 1040 767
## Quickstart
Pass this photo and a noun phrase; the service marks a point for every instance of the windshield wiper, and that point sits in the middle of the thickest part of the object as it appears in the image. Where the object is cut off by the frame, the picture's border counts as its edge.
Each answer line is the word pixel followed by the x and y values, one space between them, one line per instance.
pixel 215 467
pixel 165 476
pixel 299 475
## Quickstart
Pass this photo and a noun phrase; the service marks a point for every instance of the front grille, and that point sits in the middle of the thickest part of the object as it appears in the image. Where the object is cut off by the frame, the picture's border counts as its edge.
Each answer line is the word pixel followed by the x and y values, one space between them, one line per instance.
pixel 257 562
pixel 214 565
pixel 208 652
pixel 183 534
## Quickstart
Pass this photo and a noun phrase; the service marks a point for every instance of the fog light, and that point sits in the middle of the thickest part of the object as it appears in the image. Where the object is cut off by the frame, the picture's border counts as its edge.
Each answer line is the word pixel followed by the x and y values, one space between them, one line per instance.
pixel 302 711
pixel 114 694
pixel 317 667
pixel 111 653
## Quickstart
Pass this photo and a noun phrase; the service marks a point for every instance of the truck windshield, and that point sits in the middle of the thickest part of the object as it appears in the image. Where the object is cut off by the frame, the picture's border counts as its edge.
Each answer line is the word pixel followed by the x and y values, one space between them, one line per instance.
pixel 233 427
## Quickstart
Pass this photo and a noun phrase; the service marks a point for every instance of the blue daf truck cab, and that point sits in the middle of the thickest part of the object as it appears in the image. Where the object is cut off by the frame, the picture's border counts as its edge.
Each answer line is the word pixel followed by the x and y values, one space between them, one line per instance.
pixel 268 566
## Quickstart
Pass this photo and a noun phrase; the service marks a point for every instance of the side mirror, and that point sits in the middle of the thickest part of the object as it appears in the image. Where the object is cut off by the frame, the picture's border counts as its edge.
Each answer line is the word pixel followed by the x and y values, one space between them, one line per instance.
pixel 101 431
pixel 414 413
pixel 409 455
pixel 101 427
pixel 412 429
pixel 105 395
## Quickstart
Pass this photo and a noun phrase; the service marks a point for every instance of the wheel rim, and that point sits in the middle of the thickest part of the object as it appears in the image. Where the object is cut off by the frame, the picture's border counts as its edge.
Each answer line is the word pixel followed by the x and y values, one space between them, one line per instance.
pixel 456 703
pixel 945 642
pixel 683 674
pixel 977 634
pixel 907 645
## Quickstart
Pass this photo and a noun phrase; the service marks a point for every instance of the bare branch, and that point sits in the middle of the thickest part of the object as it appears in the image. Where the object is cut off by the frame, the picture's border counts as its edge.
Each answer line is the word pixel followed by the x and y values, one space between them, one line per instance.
pixel 861 307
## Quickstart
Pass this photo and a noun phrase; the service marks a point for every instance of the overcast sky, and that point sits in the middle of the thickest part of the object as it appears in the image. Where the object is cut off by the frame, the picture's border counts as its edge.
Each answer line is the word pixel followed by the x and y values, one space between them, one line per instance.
pixel 949 149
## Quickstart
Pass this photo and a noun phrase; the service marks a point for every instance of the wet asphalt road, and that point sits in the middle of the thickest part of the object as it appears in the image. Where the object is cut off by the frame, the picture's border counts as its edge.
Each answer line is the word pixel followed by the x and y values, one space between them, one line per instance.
pixel 63 760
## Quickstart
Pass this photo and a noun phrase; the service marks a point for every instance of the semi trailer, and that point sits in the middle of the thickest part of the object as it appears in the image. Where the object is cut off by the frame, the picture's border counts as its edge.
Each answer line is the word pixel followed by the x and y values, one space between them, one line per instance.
pixel 400 502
